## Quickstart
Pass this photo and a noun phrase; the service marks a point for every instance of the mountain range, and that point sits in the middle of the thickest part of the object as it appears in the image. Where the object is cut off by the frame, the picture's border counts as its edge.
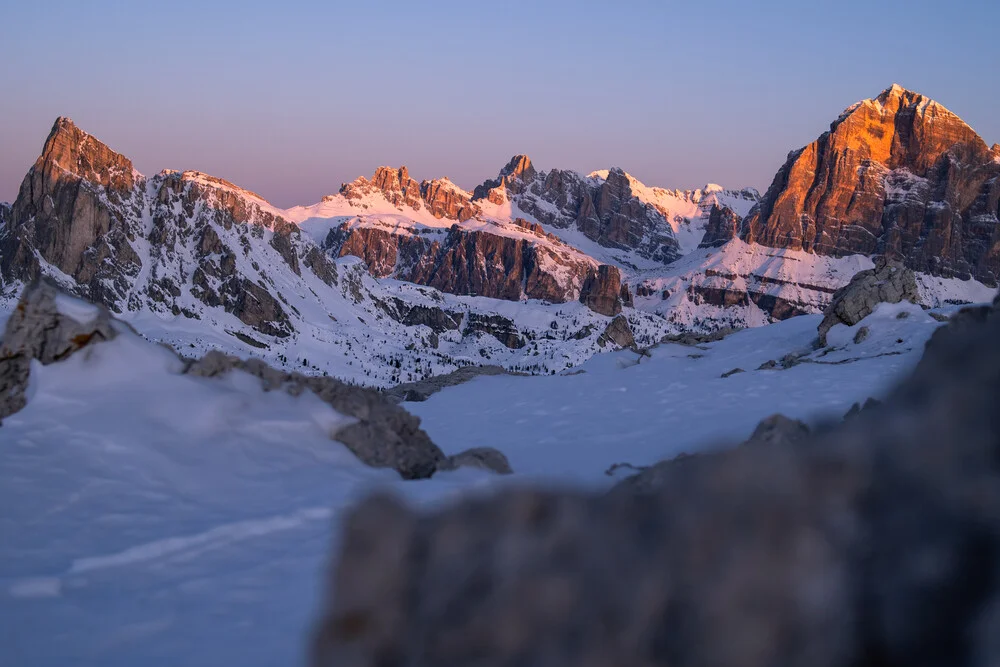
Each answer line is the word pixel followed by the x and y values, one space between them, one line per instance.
pixel 392 280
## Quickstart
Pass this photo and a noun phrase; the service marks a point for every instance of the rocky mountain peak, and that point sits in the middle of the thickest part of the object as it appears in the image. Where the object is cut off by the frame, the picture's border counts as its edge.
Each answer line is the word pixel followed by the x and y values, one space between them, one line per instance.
pixel 70 149
pixel 898 174
pixel 519 167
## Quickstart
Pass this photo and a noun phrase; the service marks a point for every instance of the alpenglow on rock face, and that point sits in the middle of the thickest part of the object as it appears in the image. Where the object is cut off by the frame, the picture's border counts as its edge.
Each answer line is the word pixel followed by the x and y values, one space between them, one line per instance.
pixel 870 543
pixel 898 174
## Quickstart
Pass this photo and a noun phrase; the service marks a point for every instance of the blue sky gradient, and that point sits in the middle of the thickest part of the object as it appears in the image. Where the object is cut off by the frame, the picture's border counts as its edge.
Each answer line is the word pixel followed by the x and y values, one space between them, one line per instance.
pixel 291 99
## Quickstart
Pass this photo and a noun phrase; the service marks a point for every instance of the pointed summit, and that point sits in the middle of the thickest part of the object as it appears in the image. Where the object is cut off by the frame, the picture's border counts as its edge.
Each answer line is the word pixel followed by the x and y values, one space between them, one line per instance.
pixel 67 201
pixel 519 167
pixel 73 150
pixel 515 174
pixel 898 173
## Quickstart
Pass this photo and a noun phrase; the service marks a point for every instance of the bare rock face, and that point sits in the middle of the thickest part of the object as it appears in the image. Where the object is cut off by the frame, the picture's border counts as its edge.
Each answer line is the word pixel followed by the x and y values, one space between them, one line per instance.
pixel 870 542
pixel 601 291
pixel 604 209
pixel 498 326
pixel 897 175
pixel 47 325
pixel 618 334
pixel 723 225
pixel 440 196
pixel 888 282
pixel 73 210
pixel 384 435
pixel 514 177
pixel 466 261
pixel 445 200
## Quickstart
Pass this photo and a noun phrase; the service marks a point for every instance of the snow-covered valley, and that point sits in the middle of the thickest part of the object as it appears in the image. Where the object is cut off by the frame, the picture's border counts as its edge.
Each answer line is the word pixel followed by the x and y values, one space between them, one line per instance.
pixel 157 518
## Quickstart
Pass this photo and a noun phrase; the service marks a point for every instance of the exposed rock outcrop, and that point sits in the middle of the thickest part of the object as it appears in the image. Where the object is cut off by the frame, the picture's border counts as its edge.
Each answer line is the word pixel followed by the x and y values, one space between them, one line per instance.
pixel 872 542
pixel 888 282
pixel 384 435
pixel 467 261
pixel 897 175
pixel 441 197
pixel 47 325
pixel 73 210
pixel 498 326
pixel 723 225
pixel 618 334
pixel 601 291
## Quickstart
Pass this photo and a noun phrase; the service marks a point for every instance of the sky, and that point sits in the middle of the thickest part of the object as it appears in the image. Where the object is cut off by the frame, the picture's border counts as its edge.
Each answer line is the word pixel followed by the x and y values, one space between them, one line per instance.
pixel 290 99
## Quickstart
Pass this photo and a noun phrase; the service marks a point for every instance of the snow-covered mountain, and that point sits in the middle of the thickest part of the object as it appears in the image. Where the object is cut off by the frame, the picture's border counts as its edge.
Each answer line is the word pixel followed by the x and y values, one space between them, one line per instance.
pixel 191 518
pixel 527 271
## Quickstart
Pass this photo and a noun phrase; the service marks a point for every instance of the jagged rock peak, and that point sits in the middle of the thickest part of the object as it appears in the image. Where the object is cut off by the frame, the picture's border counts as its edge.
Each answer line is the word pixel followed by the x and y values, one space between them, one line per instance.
pixel 78 153
pixel 519 167
pixel 441 197
pixel 898 174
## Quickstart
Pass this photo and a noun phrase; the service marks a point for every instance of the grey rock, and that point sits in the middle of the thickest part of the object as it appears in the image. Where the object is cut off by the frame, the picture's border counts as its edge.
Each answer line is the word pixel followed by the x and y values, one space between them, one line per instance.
pixel 618 333
pixel 861 335
pixel 869 542
pixel 498 326
pixel 733 372
pixel 486 458
pixel 384 435
pixel 888 282
pixel 37 329
pixel 604 210
pixel 602 290
pixel 424 389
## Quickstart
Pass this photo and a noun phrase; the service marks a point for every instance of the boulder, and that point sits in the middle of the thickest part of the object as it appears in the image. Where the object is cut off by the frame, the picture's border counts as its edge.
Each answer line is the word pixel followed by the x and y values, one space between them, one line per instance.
pixel 872 541
pixel 48 325
pixel 618 333
pixel 888 282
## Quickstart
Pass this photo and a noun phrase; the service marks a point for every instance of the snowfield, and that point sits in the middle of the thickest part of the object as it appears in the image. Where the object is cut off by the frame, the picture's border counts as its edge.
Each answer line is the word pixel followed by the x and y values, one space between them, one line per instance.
pixel 156 518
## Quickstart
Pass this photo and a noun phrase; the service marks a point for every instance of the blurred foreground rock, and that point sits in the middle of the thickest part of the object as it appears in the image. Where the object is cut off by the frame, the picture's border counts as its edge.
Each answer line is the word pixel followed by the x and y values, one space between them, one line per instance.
pixel 872 542
pixel 47 325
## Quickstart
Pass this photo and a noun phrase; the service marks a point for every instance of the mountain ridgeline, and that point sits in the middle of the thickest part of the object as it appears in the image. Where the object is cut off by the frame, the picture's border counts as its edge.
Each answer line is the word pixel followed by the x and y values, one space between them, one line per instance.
pixel 529 270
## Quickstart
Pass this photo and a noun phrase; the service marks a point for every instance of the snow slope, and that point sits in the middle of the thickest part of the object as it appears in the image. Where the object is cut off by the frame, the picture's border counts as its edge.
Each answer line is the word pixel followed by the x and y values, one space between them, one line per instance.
pixel 159 519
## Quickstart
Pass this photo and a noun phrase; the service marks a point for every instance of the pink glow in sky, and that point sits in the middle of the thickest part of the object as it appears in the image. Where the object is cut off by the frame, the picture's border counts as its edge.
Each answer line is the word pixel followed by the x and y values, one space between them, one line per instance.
pixel 292 99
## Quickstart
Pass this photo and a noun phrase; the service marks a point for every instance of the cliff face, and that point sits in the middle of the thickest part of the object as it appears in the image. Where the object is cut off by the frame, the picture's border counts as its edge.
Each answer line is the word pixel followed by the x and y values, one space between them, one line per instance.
pixel 73 209
pixel 897 175
pixel 468 262
pixel 604 209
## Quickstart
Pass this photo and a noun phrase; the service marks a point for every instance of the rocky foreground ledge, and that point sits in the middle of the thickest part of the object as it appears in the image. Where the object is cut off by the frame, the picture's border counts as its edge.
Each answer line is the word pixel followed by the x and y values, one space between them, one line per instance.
pixel 49 325
pixel 875 541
